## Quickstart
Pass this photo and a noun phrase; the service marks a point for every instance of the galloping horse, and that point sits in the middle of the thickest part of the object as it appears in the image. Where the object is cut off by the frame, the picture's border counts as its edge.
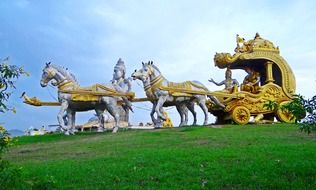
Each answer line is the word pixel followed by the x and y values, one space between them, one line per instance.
pixel 158 85
pixel 182 108
pixel 65 81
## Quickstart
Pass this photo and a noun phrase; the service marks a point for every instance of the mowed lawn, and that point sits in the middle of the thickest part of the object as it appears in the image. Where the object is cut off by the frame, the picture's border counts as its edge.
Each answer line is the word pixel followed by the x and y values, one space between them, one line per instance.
pixel 232 157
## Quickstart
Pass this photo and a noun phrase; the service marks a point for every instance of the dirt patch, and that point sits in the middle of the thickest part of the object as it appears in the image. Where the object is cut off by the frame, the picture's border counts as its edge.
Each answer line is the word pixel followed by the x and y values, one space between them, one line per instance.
pixel 215 126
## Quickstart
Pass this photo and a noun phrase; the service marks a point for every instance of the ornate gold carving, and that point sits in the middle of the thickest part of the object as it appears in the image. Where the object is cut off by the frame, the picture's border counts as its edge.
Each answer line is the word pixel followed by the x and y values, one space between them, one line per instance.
pixel 284 115
pixel 259 49
pixel 37 102
pixel 167 122
pixel 255 102
pixel 241 115
pixel 256 44
pixel 93 93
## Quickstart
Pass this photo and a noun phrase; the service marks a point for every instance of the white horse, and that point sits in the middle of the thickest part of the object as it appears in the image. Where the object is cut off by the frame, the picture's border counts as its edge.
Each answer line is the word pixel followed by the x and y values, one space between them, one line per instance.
pixel 66 81
pixel 182 107
pixel 158 86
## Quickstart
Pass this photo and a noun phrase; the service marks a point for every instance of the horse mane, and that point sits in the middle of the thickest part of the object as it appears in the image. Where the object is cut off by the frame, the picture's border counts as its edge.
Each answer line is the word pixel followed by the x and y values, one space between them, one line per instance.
pixel 65 72
pixel 155 67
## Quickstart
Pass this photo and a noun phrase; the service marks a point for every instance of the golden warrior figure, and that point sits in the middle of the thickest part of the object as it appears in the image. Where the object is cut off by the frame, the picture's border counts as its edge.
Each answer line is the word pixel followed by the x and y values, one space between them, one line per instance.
pixel 231 85
pixel 251 81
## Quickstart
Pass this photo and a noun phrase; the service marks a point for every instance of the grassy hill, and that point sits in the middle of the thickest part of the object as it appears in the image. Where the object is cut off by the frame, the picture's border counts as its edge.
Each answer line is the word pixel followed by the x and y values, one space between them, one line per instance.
pixel 233 157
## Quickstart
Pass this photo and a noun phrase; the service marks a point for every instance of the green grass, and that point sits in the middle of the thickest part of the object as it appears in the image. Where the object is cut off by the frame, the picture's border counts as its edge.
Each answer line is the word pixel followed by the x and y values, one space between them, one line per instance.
pixel 233 157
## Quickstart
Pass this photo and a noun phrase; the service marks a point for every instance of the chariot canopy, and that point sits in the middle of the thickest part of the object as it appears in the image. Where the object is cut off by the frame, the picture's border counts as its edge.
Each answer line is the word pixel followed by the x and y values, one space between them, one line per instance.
pixel 262 56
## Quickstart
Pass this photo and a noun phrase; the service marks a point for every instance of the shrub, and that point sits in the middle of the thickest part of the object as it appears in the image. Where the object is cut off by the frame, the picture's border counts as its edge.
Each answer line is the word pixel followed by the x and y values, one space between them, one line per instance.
pixel 10 176
pixel 297 107
pixel 43 183
pixel 5 140
pixel 309 122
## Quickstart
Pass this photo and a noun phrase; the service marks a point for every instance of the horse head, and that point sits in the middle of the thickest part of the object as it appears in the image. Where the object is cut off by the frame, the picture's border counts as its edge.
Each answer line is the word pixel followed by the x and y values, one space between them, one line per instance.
pixel 140 75
pixel 148 71
pixel 57 75
pixel 48 74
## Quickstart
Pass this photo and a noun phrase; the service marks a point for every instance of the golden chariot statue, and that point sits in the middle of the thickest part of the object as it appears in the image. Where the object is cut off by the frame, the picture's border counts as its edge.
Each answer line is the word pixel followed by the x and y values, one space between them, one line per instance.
pixel 269 78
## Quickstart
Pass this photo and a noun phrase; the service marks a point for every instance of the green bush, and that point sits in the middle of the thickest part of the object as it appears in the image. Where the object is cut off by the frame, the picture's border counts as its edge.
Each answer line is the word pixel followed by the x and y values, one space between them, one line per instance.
pixel 303 110
pixel 5 140
pixel 297 107
pixel 43 183
pixel 309 122
pixel 10 176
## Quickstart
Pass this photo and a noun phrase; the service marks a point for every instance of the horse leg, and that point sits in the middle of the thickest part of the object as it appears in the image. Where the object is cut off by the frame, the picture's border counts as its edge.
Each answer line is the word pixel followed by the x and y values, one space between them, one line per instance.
pixel 190 106
pixel 114 112
pixel 65 118
pixel 60 116
pixel 183 113
pixel 74 121
pixel 186 115
pixel 71 121
pixel 159 107
pixel 157 122
pixel 202 104
pixel 152 114
pixel 99 113
pixel 180 113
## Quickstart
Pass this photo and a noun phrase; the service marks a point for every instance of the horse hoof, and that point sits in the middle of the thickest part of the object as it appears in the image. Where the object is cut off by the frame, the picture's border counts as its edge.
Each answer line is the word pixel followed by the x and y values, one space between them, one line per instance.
pixel 100 130
pixel 115 130
pixel 67 133
pixel 158 126
pixel 181 124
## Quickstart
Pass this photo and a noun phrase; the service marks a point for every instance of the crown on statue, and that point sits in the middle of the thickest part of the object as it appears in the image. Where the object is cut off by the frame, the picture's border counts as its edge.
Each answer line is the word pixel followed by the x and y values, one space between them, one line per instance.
pixel 120 65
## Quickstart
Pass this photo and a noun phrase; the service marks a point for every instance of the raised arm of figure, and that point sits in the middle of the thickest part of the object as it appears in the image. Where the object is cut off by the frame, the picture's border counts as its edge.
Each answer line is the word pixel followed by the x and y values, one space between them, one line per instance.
pixel 218 84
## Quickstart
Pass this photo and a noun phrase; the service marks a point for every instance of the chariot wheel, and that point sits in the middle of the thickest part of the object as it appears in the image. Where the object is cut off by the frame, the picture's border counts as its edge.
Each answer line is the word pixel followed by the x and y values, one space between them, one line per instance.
pixel 284 115
pixel 241 115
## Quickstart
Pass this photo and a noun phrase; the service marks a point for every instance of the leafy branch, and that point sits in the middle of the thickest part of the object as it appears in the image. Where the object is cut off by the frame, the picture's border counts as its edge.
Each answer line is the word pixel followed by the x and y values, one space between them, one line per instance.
pixel 8 76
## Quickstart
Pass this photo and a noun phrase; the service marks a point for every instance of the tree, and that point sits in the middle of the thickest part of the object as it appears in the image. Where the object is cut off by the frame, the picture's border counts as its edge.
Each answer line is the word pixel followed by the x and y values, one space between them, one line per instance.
pixel 8 76
pixel 9 174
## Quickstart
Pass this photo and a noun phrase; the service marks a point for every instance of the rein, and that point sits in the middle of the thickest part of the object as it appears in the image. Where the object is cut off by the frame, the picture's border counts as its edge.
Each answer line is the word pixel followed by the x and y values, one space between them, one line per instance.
pixel 149 92
pixel 63 84
pixel 156 83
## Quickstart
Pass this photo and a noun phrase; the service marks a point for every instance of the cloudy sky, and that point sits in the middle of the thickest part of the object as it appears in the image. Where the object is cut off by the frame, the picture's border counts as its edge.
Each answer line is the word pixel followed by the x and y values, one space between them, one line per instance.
pixel 180 36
